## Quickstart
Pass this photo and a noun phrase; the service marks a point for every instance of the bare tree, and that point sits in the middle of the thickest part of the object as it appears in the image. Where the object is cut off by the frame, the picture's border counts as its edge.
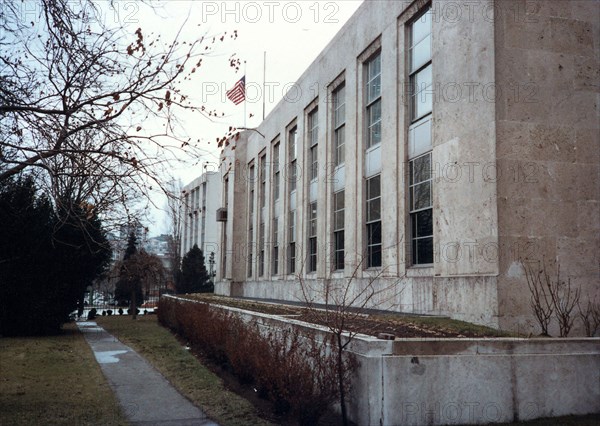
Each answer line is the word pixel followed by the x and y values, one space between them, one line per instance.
pixel 590 316
pixel 84 102
pixel 337 303
pixel 551 296
pixel 174 216
pixel 541 300
pixel 564 298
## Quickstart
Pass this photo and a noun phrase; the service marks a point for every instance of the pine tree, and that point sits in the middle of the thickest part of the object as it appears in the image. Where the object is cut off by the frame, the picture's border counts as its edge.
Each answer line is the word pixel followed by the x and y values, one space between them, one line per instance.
pixel 129 287
pixel 194 277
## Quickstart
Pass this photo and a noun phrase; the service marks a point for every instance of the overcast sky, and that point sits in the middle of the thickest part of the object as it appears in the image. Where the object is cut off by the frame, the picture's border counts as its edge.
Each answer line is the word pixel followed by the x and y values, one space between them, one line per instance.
pixel 292 33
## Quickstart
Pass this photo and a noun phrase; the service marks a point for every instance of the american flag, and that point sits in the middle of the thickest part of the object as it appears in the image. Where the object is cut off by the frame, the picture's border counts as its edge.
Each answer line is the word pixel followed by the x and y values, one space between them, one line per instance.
pixel 238 93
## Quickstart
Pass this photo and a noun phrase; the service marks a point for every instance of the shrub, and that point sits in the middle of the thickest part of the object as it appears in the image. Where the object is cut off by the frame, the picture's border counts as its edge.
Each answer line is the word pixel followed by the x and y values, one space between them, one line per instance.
pixel 103 313
pixel 109 312
pixel 92 314
pixel 294 370
pixel 120 311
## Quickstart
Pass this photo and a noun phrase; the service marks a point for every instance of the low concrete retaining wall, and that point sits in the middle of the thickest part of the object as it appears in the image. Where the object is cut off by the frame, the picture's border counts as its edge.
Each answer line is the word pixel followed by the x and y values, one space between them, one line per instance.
pixel 464 381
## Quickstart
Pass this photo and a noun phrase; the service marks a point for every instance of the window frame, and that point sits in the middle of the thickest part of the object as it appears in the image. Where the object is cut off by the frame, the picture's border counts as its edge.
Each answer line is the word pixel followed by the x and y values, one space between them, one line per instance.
pixel 339 125
pixel 338 254
pixel 313 144
pixel 312 222
pixel 371 105
pixel 373 224
pixel 416 119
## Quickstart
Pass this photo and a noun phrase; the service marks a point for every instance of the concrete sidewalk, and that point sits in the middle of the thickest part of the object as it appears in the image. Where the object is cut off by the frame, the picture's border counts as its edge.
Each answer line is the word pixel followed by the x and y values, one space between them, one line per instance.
pixel 146 397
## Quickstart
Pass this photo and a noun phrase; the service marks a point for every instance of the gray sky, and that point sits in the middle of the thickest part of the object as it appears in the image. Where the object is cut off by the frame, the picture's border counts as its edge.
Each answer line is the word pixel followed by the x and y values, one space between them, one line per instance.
pixel 292 33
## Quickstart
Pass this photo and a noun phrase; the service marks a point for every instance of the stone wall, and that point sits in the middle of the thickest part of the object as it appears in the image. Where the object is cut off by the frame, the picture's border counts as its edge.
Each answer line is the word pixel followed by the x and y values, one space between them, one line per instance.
pixel 462 381
pixel 548 148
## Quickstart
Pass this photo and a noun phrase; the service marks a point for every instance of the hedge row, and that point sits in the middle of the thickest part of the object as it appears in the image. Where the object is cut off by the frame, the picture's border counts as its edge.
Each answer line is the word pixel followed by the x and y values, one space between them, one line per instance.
pixel 294 370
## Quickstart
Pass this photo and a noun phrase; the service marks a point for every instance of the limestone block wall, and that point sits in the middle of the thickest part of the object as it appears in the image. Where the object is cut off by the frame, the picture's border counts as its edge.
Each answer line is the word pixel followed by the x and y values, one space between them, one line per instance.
pixel 548 148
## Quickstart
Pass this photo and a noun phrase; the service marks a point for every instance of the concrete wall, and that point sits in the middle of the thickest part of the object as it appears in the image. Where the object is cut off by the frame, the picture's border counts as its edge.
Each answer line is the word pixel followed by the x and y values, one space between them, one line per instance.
pixel 462 381
pixel 548 147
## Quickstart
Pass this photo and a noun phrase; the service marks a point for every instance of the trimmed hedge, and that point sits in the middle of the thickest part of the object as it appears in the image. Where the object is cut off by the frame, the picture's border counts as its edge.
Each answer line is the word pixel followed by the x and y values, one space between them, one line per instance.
pixel 294 370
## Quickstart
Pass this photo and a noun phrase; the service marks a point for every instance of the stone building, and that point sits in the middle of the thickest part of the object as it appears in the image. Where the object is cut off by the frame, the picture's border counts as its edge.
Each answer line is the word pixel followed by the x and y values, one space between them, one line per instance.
pixel 200 200
pixel 430 149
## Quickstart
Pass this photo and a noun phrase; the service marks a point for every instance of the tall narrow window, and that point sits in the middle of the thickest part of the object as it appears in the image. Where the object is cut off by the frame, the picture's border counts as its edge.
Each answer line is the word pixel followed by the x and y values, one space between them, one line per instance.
pixel 292 242
pixel 276 176
pixel 339 125
pixel 292 146
pixel 262 195
pixel 338 230
pixel 313 139
pixel 275 222
pixel 250 219
pixel 373 101
pixel 263 180
pixel 261 253
pixel 312 237
pixel 419 141
pixel 421 211
pixel 374 221
pixel 275 252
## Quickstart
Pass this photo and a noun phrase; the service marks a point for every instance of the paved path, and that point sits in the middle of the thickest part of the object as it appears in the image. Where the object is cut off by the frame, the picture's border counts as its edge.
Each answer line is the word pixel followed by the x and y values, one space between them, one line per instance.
pixel 146 397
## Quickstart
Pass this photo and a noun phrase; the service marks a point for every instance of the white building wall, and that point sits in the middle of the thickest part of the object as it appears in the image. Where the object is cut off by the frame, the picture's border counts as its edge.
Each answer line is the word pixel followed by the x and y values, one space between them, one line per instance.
pixel 463 281
pixel 199 222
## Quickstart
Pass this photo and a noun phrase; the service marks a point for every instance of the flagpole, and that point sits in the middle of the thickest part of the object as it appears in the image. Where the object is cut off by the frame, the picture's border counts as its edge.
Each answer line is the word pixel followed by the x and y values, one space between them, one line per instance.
pixel 245 97
pixel 264 95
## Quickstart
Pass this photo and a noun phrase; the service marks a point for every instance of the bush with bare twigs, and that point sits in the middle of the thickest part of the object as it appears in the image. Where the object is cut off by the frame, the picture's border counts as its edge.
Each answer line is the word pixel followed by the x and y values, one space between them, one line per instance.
pixel 551 296
pixel 295 370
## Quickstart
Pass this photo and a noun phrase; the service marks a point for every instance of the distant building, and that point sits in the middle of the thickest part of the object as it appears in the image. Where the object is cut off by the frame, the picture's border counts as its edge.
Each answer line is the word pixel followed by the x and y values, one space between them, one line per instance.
pixel 200 200
pixel 159 246
pixel 119 240
pixel 433 152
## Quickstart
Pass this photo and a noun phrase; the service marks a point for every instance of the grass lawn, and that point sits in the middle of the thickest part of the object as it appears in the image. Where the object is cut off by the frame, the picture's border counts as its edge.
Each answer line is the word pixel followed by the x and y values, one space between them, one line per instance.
pixel 54 380
pixel 182 369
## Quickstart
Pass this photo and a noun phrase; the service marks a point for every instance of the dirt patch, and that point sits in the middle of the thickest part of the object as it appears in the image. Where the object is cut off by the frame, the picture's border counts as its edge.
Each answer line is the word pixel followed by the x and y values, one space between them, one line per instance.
pixel 370 322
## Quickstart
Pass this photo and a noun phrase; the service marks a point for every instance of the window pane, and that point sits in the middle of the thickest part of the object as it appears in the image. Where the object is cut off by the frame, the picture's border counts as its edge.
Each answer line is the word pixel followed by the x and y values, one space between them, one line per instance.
pixel 424 226
pixel 374 117
pixel 422 92
pixel 339 106
pixel 421 54
pixel 374 210
pixel 374 256
pixel 313 127
pixel 424 250
pixel 339 200
pixel 422 196
pixel 421 28
pixel 374 187
pixel 421 169
pixel 292 144
pixel 374 67
pixel 292 175
pixel 374 244
pixel 339 250
pixel 420 137
pixel 339 145
pixel 374 89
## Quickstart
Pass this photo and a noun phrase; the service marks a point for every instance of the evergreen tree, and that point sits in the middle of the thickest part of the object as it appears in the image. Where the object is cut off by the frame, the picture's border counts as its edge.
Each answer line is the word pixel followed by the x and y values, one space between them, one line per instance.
pixel 193 277
pixel 128 289
pixel 47 259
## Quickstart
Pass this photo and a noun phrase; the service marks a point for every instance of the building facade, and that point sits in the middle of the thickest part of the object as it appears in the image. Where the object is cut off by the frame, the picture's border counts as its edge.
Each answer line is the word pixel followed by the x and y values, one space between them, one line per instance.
pixel 200 200
pixel 428 151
